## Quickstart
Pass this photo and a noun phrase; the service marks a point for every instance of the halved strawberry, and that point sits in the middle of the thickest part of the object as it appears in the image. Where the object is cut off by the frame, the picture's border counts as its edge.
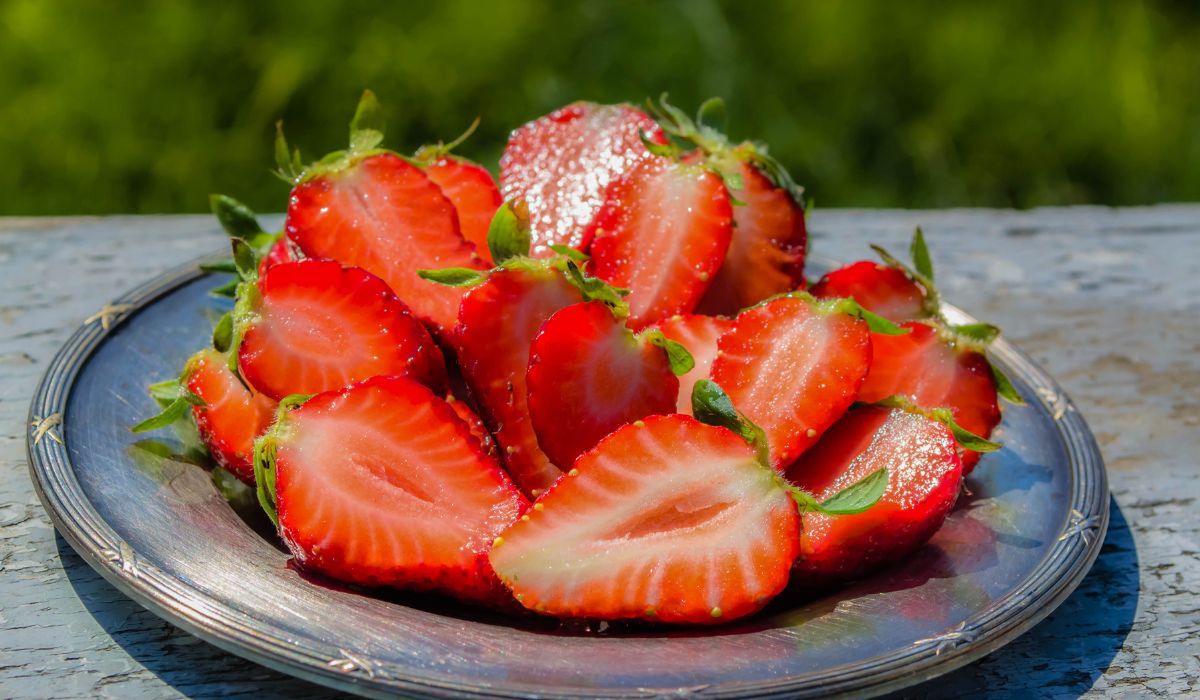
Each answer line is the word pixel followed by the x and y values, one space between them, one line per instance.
pixel 475 423
pixel 376 210
pixel 496 324
pixel 936 371
pixel 381 484
pixel 662 233
pixel 699 334
pixel 589 375
pixel 279 252
pixel 793 365
pixel 471 189
pixel 766 254
pixel 923 482
pixel 669 520
pixel 231 417
pixel 314 326
pixel 561 164
pixel 885 290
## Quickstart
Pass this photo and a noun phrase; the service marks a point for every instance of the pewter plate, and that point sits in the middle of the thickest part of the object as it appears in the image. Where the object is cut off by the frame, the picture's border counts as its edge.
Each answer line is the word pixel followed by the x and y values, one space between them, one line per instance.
pixel 151 520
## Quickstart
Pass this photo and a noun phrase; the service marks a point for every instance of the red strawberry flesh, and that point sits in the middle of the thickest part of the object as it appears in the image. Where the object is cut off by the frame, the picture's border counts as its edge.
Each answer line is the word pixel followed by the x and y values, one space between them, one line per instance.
pixel 662 233
pixel 924 475
pixel 699 334
pixel 231 417
pixel 766 253
pixel 318 327
pixel 589 375
pixel 877 287
pixel 381 484
pixel 385 215
pixel 561 164
pixel 497 323
pixel 473 192
pixel 671 520
pixel 933 373
pixel 792 366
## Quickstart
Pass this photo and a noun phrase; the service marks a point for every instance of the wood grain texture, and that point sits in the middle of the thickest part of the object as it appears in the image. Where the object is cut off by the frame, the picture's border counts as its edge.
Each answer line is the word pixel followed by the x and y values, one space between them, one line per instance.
pixel 1107 300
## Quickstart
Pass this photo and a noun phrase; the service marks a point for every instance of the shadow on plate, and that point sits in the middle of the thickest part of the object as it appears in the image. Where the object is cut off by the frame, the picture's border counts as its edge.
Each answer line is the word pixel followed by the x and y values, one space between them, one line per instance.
pixel 1070 649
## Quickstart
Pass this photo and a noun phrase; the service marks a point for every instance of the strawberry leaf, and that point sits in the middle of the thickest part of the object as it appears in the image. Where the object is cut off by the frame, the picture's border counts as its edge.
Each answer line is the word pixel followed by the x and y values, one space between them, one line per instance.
pixel 570 253
pixel 1004 386
pixel 858 496
pixel 596 289
pixel 508 235
pixel 680 358
pixel 236 218
pixel 981 333
pixel 366 128
pixel 219 266
pixel 245 260
pixel 288 165
pixel 174 411
pixel 875 322
pixel 165 392
pixel 453 276
pixel 711 405
pixel 919 253
pixel 711 113
pixel 264 475
pixel 227 290
pixel 666 150
pixel 222 336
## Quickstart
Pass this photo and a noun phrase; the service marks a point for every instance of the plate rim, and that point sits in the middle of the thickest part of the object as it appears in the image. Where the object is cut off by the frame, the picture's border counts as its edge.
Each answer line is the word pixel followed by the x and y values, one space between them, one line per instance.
pixel 1048 584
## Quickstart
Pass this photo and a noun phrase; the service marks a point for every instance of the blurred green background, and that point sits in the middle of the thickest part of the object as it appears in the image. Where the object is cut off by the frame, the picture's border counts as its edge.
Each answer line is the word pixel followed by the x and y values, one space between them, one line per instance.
pixel 147 107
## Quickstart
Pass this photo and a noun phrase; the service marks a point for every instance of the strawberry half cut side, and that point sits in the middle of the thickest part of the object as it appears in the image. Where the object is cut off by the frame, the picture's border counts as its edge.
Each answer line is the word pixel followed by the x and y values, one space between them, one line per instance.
pixel 589 375
pixel 662 233
pixel 314 326
pixel 924 476
pixel 793 366
pixel 562 163
pixel 470 187
pixel 699 334
pixel 668 519
pixel 935 371
pixel 381 484
pixel 496 325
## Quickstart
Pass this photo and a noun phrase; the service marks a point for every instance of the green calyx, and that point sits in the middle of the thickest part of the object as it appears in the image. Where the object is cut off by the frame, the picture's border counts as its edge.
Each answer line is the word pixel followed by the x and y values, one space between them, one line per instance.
pixel 265 448
pixel 173 398
pixel 432 153
pixel 965 438
pixel 509 235
pixel 855 498
pixel 711 405
pixel 679 357
pixel 366 134
pixel 250 242
pixel 685 134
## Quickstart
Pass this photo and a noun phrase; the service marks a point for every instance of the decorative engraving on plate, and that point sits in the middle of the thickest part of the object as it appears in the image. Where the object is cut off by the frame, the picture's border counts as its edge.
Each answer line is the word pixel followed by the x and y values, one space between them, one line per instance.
pixel 44 427
pixel 1056 401
pixel 962 634
pixel 1085 527
pixel 108 314
pixel 353 663
pixel 123 556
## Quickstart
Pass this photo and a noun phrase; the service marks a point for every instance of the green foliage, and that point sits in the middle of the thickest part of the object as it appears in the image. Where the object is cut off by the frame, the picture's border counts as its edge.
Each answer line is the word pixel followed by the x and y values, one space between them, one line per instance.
pixel 148 107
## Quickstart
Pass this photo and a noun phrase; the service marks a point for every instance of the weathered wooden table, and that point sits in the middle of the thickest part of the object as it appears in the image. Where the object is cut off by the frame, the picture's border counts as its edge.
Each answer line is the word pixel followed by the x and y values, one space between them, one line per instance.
pixel 1108 300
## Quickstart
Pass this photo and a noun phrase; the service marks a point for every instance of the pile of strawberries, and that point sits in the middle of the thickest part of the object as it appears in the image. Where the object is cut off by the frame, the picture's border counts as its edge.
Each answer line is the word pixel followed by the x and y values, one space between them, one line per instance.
pixel 601 390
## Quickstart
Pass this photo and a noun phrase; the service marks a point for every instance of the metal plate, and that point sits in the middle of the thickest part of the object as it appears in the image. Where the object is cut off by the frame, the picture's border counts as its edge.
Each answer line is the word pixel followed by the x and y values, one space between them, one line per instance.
pixel 160 531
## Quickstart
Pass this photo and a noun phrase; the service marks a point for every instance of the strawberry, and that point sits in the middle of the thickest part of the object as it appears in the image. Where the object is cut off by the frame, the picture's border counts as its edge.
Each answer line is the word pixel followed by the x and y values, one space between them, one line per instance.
pixel 662 233
pixel 486 442
pixel 667 519
pixel 921 490
pixel 770 240
pixel 496 324
pixel 793 365
pixel 699 334
pixel 312 326
pixel 933 370
pixel 228 416
pixel 473 192
pixel 562 163
pixel 376 210
pixel 241 224
pixel 381 484
pixel 589 375
pixel 279 252
pixel 884 290
pixel 766 253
